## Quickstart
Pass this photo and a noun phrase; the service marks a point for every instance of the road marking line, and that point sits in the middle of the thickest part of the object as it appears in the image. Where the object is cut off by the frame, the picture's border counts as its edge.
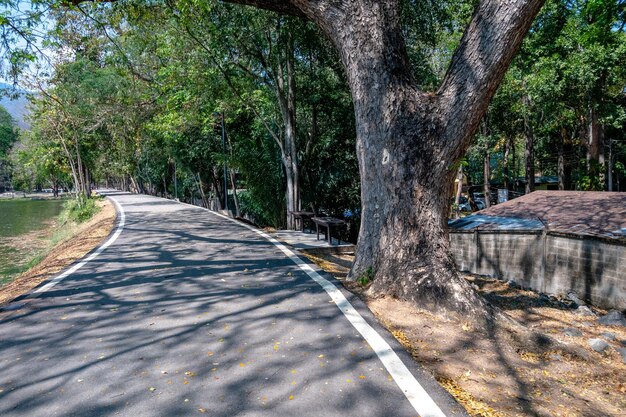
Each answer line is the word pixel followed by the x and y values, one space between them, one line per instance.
pixel 91 257
pixel 423 404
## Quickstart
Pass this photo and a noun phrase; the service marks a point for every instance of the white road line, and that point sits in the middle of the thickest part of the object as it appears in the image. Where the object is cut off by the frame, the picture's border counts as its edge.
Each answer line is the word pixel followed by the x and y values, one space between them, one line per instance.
pixel 423 403
pixel 91 257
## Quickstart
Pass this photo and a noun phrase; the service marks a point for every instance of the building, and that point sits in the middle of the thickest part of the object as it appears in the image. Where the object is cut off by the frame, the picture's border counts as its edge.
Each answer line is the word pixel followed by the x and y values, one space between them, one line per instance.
pixel 550 241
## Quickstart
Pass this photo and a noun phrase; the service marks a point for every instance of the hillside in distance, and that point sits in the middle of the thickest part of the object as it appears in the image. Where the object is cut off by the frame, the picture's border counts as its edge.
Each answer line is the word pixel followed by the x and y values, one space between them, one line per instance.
pixel 17 106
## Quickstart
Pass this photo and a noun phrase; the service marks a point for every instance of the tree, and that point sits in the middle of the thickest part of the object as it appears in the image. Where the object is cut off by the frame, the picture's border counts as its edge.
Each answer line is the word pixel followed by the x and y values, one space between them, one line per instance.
pixel 8 137
pixel 408 140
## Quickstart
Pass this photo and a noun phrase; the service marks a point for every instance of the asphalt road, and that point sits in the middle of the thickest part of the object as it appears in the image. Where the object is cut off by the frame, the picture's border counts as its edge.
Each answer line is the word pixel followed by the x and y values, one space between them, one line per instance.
pixel 188 313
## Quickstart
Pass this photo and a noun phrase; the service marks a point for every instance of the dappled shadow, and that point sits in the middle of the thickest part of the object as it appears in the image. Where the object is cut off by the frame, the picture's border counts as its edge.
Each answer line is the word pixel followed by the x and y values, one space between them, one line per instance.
pixel 188 312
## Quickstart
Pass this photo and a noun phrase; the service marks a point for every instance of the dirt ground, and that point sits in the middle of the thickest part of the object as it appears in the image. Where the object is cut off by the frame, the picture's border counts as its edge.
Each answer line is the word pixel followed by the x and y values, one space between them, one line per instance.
pixel 499 372
pixel 79 240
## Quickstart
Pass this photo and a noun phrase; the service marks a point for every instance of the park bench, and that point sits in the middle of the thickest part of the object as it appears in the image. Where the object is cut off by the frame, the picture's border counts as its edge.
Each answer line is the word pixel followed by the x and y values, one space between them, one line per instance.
pixel 301 216
pixel 329 223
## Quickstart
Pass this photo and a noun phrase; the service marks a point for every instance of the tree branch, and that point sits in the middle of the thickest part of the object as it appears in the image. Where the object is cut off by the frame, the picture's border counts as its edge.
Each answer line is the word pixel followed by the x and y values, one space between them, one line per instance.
pixel 488 46
pixel 278 6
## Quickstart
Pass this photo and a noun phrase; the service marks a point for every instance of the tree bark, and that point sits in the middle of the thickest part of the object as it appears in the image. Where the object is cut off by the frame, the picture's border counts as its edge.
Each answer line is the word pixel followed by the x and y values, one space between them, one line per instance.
pixel 408 141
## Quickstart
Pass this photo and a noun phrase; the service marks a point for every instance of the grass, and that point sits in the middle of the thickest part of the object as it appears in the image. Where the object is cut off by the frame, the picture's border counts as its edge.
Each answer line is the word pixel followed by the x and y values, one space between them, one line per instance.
pixel 79 210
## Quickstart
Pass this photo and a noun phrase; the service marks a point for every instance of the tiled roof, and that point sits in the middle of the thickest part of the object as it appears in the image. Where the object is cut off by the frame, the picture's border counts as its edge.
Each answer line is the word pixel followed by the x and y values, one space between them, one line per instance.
pixel 579 212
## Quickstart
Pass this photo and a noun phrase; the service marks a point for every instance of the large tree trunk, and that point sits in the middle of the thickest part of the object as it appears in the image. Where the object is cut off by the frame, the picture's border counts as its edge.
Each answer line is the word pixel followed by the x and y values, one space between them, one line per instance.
pixel 408 141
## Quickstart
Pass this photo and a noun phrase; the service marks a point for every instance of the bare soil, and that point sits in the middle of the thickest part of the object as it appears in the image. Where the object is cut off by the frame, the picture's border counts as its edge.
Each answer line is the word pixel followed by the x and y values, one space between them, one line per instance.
pixel 79 241
pixel 498 371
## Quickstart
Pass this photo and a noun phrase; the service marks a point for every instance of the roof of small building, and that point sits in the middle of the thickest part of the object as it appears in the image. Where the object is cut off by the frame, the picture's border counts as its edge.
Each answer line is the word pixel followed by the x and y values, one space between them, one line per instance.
pixel 595 213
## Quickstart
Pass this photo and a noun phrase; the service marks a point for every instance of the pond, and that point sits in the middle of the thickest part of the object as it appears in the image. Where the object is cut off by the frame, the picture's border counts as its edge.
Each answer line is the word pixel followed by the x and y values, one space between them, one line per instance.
pixel 25 229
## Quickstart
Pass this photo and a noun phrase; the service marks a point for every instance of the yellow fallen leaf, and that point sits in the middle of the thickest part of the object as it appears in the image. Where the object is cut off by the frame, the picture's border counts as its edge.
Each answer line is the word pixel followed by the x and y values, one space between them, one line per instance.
pixel 362 376
pixel 242 364
pixel 291 397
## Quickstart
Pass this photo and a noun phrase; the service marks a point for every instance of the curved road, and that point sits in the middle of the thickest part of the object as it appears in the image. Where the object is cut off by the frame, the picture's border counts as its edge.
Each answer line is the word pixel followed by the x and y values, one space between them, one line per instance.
pixel 188 313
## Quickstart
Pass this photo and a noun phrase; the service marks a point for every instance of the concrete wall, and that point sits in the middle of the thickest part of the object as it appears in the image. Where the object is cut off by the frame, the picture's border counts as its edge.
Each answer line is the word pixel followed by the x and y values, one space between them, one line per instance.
pixel 547 262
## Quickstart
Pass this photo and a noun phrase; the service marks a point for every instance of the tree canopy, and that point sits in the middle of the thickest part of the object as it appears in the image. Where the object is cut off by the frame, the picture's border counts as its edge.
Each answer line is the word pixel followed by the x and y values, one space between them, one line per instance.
pixel 359 109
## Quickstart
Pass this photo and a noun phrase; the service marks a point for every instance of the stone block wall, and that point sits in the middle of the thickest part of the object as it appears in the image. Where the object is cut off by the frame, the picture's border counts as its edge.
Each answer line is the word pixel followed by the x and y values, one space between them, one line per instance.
pixel 547 262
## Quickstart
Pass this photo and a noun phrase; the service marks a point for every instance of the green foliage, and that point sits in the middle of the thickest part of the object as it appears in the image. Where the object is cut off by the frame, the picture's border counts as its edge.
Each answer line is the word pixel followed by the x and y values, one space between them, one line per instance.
pixel 367 277
pixel 570 68
pixel 79 210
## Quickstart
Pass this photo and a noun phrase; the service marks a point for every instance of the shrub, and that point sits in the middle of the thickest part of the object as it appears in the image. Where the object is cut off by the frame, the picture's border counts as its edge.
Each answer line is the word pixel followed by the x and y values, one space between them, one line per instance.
pixel 79 210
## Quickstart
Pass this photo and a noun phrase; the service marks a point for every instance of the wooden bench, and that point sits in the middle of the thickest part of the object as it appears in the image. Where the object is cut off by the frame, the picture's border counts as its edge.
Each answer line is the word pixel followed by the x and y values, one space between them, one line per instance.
pixel 302 216
pixel 329 223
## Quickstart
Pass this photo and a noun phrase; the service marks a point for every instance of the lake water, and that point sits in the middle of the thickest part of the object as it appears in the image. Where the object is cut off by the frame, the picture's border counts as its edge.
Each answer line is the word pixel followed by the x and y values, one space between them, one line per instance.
pixel 25 226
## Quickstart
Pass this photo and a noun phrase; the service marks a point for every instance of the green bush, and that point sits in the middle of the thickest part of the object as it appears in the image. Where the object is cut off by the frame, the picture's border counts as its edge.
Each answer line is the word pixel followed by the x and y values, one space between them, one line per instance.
pixel 79 210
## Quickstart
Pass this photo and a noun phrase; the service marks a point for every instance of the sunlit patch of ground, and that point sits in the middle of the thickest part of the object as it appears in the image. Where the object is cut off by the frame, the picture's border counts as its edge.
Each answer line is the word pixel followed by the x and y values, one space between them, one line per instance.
pixel 501 372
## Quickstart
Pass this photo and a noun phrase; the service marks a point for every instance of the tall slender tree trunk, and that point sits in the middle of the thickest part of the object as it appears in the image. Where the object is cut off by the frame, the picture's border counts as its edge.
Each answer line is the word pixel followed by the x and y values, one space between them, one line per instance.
pixel 486 177
pixel 486 162
pixel 610 167
pixel 218 189
pixel 286 94
pixel 506 172
pixel 459 190
pixel 529 151
pixel 205 202
pixel 595 147
pixel 561 160
pixel 233 184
